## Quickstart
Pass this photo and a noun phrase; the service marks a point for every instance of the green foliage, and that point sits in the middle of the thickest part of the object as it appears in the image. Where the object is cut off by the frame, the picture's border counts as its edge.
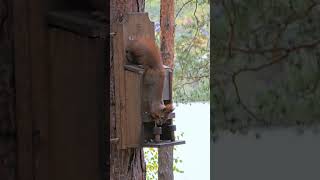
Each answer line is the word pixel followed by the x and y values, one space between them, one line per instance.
pixel 192 62
pixel 151 158
pixel 176 159
pixel 191 71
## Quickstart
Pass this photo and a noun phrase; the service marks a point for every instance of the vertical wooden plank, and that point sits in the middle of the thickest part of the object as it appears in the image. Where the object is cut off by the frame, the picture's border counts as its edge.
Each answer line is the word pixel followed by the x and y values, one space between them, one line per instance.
pixel 40 83
pixel 96 59
pixel 103 94
pixel 7 94
pixel 135 25
pixel 75 111
pixel 133 108
pixel 23 89
pixel 118 70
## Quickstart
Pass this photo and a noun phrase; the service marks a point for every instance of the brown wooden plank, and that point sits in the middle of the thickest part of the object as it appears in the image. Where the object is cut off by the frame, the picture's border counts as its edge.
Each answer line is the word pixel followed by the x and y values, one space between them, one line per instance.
pixel 133 109
pixel 122 91
pixel 40 83
pixel 136 25
pixel 75 112
pixel 96 62
pixel 23 89
pixel 118 56
pixel 7 94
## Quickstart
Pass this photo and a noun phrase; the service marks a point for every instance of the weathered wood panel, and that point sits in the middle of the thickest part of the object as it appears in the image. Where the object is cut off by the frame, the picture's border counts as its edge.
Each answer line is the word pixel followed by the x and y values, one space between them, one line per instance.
pixel 22 61
pixel 31 65
pixel 118 83
pixel 7 124
pixel 133 130
pixel 76 93
pixel 38 48
pixel 135 25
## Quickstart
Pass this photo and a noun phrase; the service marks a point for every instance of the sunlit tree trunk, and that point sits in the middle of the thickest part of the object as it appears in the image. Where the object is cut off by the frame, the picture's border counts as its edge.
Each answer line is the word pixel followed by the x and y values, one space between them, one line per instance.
pixel 165 158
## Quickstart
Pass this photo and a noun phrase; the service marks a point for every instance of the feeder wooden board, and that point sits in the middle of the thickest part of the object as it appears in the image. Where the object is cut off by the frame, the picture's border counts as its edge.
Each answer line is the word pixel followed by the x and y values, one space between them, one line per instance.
pixel 135 125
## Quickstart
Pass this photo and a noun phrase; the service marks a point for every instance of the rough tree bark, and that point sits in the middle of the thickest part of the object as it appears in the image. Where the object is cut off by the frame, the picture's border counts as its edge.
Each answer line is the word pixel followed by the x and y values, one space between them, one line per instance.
pixel 124 164
pixel 165 159
pixel 7 125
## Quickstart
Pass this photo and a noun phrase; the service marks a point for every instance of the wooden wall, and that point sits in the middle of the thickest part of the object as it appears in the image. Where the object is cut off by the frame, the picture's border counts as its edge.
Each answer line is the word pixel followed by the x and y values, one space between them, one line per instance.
pixel 75 105
pixel 25 63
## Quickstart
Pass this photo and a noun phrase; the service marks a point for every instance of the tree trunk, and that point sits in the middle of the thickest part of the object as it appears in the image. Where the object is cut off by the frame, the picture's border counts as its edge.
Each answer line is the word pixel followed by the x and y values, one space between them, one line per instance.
pixel 124 164
pixel 7 125
pixel 165 158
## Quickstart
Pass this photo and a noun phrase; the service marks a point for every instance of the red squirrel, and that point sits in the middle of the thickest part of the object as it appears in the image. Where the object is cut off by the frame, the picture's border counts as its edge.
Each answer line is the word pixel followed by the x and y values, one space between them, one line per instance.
pixel 144 51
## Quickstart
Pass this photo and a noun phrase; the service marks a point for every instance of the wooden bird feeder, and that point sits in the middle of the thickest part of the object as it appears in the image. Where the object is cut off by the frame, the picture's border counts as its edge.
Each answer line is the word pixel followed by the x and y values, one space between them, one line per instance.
pixel 137 128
